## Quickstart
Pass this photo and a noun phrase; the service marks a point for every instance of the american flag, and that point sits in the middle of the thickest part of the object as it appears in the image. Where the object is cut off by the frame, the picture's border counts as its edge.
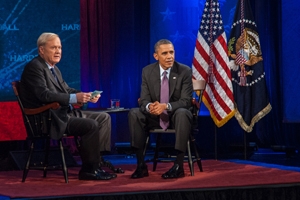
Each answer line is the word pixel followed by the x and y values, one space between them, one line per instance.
pixel 210 63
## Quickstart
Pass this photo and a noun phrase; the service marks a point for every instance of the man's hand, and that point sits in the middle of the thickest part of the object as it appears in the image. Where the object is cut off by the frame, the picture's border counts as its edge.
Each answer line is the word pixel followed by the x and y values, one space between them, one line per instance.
pixel 95 98
pixel 83 97
pixel 157 108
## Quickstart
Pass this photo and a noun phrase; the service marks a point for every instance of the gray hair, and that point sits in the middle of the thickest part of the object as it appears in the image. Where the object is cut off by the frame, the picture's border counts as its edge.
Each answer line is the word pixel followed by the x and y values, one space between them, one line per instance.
pixel 160 42
pixel 44 38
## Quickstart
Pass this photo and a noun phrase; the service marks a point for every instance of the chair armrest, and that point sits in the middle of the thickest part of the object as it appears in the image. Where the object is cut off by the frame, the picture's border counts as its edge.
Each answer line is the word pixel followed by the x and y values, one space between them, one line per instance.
pixel 33 111
pixel 77 105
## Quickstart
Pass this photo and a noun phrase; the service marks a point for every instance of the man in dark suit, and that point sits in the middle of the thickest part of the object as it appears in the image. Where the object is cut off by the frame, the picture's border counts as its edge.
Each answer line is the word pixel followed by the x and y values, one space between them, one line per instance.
pixel 152 109
pixel 40 86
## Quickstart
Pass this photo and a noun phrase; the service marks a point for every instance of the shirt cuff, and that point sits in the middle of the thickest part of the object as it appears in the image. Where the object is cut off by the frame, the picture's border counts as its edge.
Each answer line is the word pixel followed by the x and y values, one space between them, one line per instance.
pixel 73 99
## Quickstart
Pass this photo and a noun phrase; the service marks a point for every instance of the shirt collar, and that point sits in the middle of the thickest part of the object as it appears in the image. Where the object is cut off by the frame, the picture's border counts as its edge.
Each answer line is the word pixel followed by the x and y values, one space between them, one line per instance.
pixel 162 70
pixel 49 66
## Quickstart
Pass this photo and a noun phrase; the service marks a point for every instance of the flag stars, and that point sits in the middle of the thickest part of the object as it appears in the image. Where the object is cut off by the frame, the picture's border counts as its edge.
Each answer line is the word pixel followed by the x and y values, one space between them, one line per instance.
pixel 211 22
pixel 243 21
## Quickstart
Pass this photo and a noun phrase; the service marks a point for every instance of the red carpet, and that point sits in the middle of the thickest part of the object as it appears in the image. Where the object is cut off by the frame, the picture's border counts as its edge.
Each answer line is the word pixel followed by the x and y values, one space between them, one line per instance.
pixel 217 174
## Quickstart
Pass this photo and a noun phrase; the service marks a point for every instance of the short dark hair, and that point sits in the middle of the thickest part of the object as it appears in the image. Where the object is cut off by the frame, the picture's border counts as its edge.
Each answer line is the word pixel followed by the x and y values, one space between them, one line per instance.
pixel 160 42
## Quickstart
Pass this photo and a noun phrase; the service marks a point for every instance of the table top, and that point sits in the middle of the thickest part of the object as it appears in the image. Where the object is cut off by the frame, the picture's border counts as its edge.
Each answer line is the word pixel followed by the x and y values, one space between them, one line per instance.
pixel 109 110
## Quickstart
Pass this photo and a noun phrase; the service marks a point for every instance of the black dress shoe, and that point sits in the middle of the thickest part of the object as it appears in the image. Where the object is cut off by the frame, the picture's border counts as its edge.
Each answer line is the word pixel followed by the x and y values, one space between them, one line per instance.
pixel 106 163
pixel 175 172
pixel 140 172
pixel 101 171
pixel 94 175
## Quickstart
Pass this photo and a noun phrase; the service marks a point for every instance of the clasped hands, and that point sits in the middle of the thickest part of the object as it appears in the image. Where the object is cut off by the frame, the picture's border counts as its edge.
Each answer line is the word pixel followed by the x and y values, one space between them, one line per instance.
pixel 83 97
pixel 157 108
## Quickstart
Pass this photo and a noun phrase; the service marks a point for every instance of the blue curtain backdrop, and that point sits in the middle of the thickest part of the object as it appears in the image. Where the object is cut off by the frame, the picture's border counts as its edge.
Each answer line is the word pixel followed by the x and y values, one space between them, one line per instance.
pixel 290 55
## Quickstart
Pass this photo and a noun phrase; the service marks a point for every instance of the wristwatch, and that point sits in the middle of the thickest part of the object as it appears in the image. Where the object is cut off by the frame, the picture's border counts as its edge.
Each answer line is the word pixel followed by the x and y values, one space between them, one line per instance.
pixel 168 107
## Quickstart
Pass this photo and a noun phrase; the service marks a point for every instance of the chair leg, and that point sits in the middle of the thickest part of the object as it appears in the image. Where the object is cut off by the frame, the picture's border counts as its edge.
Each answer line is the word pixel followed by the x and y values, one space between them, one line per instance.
pixel 155 159
pixel 46 161
pixel 146 146
pixel 190 160
pixel 26 169
pixel 64 166
pixel 77 142
pixel 198 159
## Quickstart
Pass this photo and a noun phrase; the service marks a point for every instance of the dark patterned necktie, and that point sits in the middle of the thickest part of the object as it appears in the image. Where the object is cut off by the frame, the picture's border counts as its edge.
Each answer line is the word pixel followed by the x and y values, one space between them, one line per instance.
pixel 164 98
pixel 53 73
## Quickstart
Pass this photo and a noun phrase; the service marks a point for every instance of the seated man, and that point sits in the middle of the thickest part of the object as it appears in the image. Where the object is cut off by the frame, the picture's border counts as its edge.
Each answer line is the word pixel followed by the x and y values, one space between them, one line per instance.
pixel 164 107
pixel 42 83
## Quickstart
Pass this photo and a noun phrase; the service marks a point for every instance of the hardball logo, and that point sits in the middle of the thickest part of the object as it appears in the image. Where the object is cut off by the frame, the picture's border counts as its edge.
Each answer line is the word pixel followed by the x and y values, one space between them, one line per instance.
pixel 9 27
pixel 70 27
pixel 21 58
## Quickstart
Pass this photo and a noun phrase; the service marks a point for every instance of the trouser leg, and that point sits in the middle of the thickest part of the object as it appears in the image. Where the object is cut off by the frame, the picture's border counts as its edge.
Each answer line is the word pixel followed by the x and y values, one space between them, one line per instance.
pixel 87 129
pixel 182 120
pixel 104 128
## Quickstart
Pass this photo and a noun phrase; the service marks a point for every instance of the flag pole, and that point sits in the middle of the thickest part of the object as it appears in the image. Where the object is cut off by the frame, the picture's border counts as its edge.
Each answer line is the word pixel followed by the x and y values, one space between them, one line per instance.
pixel 216 141
pixel 245 145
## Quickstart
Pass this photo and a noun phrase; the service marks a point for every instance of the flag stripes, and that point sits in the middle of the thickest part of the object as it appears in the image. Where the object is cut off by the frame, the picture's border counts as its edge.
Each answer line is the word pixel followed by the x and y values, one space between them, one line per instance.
pixel 211 54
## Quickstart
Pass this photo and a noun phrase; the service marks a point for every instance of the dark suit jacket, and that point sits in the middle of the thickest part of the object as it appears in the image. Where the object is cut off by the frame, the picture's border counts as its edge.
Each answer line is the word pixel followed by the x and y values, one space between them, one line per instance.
pixel 180 86
pixel 38 87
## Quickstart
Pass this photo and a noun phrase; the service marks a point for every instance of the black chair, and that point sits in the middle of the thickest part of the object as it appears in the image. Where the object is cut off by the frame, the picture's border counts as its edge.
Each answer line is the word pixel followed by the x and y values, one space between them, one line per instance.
pixel 199 87
pixel 33 129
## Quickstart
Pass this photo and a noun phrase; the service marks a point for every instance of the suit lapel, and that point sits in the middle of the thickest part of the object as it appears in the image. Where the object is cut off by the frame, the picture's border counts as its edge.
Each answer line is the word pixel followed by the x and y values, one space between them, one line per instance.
pixel 60 79
pixel 56 83
pixel 49 74
pixel 173 79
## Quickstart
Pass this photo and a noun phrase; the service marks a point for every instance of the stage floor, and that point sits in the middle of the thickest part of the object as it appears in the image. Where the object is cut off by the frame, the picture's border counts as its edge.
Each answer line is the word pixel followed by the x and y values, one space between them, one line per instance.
pixel 217 175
